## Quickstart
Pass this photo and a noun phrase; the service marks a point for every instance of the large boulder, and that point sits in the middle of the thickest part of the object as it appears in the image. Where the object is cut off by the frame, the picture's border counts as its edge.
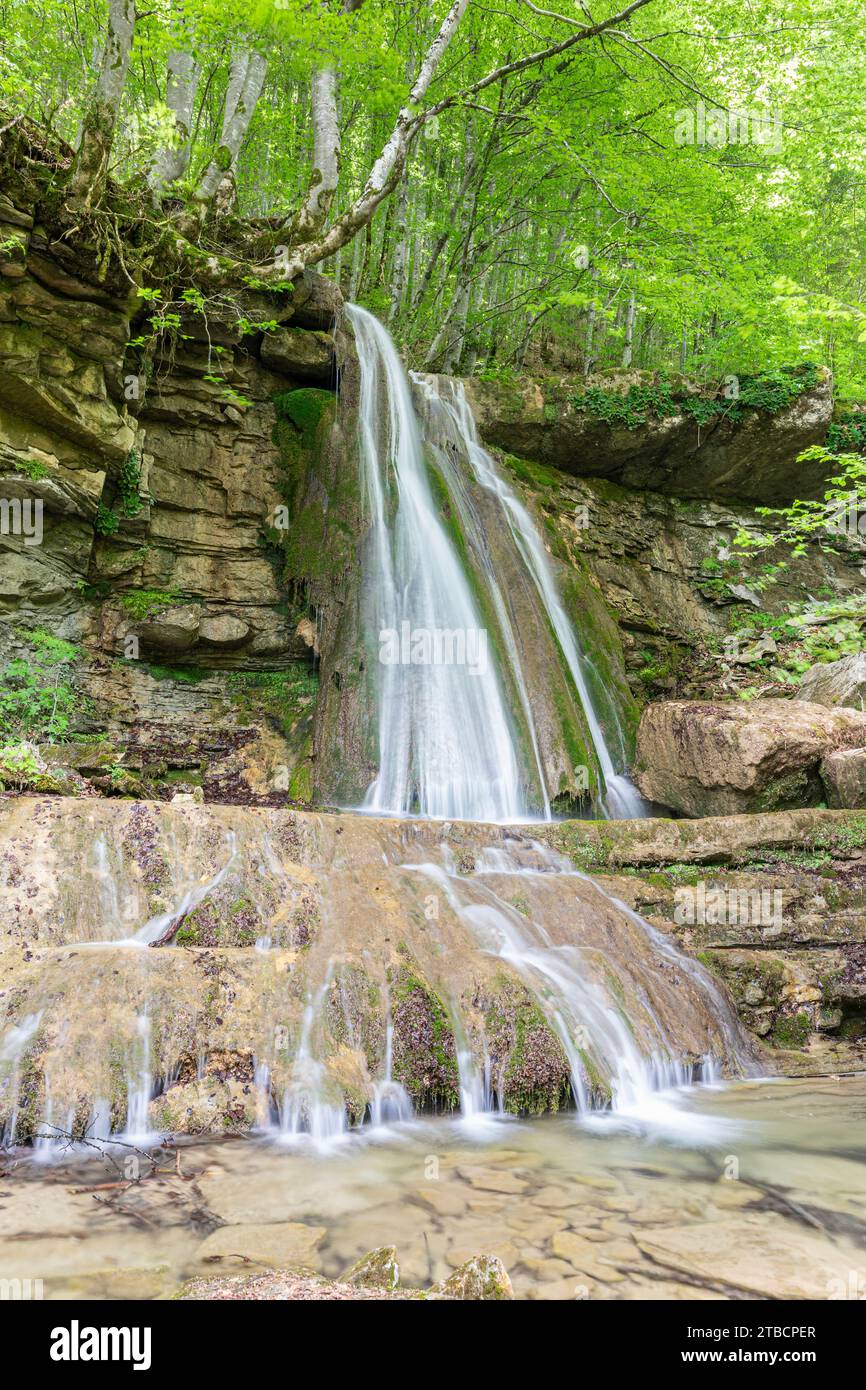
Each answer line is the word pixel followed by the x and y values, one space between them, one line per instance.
pixel 703 758
pixel 844 776
pixel 837 682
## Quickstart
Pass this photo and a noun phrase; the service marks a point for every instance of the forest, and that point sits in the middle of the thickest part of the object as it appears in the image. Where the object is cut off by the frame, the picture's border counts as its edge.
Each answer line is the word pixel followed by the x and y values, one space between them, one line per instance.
pixel 433 670
pixel 674 187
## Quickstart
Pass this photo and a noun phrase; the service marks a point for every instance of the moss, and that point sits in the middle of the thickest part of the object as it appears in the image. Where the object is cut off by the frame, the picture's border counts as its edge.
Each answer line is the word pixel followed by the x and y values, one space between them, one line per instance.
pixel 184 675
pixel 144 603
pixel 425 1054
pixel 586 852
pixel 528 1062
pixel 792 1031
pixel 304 409
pixel 283 697
pixel 301 783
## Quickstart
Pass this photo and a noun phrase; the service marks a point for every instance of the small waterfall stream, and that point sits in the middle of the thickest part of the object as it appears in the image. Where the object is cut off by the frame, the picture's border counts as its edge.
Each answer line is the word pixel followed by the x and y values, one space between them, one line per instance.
pixel 451 411
pixel 449 746
pixel 596 1035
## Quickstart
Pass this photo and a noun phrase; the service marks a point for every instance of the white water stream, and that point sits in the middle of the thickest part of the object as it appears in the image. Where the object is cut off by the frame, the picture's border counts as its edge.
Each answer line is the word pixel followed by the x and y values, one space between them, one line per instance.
pixel 448 744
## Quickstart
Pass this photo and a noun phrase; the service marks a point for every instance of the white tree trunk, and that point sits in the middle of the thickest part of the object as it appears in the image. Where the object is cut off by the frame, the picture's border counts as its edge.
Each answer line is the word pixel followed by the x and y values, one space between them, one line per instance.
pixel 629 330
pixel 388 167
pixel 246 80
pixel 171 161
pixel 90 168
pixel 314 210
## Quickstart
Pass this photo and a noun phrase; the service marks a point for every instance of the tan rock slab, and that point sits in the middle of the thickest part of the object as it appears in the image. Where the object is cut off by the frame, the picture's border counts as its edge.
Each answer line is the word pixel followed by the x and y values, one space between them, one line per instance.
pixel 772 1258
pixel 284 1245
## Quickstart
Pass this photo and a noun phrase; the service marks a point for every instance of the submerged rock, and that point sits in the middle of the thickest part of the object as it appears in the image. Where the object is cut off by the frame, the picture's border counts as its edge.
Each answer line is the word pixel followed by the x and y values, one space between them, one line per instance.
pixel 283 1245
pixel 703 758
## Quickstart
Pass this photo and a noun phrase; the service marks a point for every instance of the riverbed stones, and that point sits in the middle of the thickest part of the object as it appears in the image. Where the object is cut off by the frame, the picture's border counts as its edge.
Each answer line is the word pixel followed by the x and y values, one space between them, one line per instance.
pixel 703 758
pixel 769 1257
pixel 493 1180
pixel 283 1245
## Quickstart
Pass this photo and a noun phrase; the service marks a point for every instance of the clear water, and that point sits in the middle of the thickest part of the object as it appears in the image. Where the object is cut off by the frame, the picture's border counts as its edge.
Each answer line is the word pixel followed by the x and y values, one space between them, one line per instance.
pixel 774 1205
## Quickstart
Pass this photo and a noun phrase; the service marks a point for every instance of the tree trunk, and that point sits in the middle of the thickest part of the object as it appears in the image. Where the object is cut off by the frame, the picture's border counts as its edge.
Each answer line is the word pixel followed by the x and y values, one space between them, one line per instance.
pixel 629 330
pixel 314 210
pixel 172 161
pixel 90 167
pixel 246 79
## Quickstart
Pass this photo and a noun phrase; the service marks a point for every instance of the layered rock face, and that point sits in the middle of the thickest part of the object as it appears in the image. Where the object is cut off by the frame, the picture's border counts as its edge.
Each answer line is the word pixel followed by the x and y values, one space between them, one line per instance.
pixel 159 483
pixel 775 904
pixel 734 454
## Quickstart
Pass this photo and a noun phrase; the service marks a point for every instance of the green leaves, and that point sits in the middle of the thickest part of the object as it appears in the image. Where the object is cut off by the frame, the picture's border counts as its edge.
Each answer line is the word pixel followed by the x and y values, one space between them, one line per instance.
pixel 37 697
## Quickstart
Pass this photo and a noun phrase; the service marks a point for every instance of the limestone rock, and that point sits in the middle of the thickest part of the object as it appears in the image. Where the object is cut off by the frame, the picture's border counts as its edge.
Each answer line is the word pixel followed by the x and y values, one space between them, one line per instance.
pixel 283 1245
pixel 837 682
pixel 703 758
pixel 784 1260
pixel 172 630
pixel 307 356
pixel 376 1270
pixel 747 459
pixel 484 1277
pixel 844 776
pixel 223 630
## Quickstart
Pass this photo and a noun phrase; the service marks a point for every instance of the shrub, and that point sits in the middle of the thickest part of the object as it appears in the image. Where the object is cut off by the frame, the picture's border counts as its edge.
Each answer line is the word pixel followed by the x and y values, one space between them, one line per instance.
pixel 37 696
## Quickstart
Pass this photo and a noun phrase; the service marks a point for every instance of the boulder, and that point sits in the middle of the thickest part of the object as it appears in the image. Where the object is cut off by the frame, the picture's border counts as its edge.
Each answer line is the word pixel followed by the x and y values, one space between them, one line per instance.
pixel 837 682
pixel 706 758
pixel 483 1277
pixel 844 776
pixel 172 630
pixel 223 630
pixel 376 1270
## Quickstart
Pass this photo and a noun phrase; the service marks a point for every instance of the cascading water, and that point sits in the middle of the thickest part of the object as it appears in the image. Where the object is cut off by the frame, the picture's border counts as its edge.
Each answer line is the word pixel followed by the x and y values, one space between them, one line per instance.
pixel 595 1033
pixel 446 745
pixel 449 747
pixel 451 409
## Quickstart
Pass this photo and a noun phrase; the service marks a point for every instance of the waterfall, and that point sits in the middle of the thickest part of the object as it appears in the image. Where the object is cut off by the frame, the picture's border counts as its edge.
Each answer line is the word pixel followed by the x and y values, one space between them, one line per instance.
pixel 449 745
pixel 596 1035
pixel 446 745
pixel 620 800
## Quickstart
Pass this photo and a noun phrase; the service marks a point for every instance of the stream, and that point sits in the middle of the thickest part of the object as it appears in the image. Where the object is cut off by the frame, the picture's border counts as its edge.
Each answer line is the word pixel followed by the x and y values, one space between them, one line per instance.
pixel 770 1204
